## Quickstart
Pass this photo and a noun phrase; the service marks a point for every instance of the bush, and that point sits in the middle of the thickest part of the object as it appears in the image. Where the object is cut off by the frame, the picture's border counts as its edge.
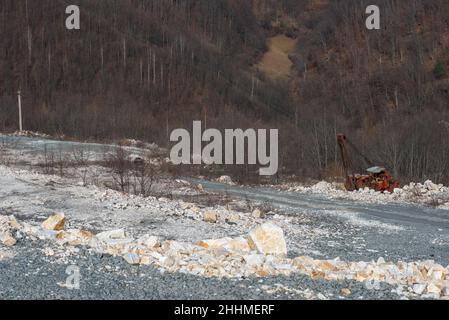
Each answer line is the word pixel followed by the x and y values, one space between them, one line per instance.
pixel 439 71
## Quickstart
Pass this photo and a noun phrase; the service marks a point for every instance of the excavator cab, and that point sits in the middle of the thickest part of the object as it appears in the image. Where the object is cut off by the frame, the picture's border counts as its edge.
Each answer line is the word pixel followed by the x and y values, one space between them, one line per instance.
pixel 377 178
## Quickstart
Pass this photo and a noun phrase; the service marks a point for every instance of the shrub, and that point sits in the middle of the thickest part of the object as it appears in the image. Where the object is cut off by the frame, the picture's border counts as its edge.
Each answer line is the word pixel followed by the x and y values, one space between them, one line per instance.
pixel 439 71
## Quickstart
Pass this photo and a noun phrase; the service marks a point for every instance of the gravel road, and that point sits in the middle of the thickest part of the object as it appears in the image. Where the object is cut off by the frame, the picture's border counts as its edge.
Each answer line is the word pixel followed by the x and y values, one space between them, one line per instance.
pixel 362 231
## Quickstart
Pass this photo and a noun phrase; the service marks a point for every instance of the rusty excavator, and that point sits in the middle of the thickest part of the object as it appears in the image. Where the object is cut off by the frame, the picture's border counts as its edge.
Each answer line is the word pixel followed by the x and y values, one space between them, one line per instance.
pixel 376 178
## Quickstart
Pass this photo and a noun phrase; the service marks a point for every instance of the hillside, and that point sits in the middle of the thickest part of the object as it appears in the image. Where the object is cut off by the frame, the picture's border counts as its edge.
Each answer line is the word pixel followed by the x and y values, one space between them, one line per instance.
pixel 143 68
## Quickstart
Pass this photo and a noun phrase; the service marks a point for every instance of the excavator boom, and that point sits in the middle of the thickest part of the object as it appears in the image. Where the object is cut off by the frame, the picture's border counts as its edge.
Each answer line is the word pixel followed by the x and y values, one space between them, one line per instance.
pixel 377 178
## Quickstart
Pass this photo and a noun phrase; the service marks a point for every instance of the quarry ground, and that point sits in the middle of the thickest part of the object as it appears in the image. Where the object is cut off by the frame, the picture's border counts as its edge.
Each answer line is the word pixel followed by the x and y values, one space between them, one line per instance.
pixel 314 225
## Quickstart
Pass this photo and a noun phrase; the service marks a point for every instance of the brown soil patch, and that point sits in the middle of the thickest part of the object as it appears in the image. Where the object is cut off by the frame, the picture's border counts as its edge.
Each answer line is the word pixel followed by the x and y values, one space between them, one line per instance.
pixel 276 62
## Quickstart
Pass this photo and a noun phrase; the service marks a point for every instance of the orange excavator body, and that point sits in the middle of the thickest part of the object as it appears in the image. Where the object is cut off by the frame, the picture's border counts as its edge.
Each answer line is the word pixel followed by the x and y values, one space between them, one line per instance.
pixel 377 178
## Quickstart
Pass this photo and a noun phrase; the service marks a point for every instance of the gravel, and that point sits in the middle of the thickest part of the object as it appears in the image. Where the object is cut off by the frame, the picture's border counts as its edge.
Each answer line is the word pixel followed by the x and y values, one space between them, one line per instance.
pixel 356 231
pixel 30 274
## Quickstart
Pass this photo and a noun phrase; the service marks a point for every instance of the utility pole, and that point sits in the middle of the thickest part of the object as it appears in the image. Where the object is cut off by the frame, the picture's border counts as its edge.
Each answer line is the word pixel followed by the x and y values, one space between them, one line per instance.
pixel 20 110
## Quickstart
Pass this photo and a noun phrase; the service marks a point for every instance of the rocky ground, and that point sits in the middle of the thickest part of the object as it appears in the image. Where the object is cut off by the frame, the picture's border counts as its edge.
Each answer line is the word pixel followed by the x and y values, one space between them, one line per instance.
pixel 128 246
pixel 30 274
pixel 427 193
pixel 195 243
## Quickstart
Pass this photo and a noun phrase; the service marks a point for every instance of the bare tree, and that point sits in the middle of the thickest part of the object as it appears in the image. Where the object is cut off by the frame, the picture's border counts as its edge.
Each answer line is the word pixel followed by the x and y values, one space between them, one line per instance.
pixel 120 166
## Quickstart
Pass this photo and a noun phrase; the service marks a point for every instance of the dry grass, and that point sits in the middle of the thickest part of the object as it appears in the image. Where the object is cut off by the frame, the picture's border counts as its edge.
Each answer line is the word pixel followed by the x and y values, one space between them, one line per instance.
pixel 276 62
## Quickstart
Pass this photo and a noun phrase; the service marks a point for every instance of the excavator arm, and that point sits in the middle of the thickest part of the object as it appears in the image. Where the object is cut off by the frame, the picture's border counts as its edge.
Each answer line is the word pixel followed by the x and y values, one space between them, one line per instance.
pixel 346 161
pixel 378 178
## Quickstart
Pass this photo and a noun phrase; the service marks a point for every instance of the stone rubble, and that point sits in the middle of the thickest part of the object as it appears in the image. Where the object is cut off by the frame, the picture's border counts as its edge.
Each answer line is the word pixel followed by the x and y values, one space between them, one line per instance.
pixel 55 222
pixel 210 216
pixel 257 214
pixel 268 239
pixel 74 237
pixel 7 226
pixel 31 134
pixel 423 193
pixel 225 180
pixel 261 253
pixel 232 218
pixel 345 292
pixel 138 144
pixel 131 258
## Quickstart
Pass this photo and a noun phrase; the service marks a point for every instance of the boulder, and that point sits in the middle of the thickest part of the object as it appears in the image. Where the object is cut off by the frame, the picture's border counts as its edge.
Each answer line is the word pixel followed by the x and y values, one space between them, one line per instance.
pixel 433 289
pixel 327 265
pixel 214 243
pixel 56 222
pixel 237 244
pixel 194 208
pixel 13 223
pixel 268 239
pixel 75 237
pixel 322 187
pixel 175 248
pixel 380 261
pixel 112 234
pixel 210 216
pixel 316 275
pixel 7 239
pixel 446 291
pixel 429 185
pixel 145 260
pixel 6 225
pixel 419 288
pixel 189 206
pixel 149 242
pixel 225 179
pixel 132 258
pixel 436 275
pixel 114 237
pixel 254 260
pixel 43 234
pixel 258 214
pixel 362 276
pixel 345 292
pixel 303 262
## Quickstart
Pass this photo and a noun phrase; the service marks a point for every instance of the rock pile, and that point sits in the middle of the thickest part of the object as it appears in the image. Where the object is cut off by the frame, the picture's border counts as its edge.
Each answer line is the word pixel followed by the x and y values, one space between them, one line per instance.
pixel 7 226
pixel 418 189
pixel 31 134
pixel 262 252
pixel 138 144
pixel 422 278
pixel 226 180
pixel 424 193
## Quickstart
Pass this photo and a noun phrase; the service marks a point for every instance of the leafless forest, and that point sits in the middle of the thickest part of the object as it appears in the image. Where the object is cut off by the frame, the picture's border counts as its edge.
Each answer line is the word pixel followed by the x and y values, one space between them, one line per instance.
pixel 141 68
